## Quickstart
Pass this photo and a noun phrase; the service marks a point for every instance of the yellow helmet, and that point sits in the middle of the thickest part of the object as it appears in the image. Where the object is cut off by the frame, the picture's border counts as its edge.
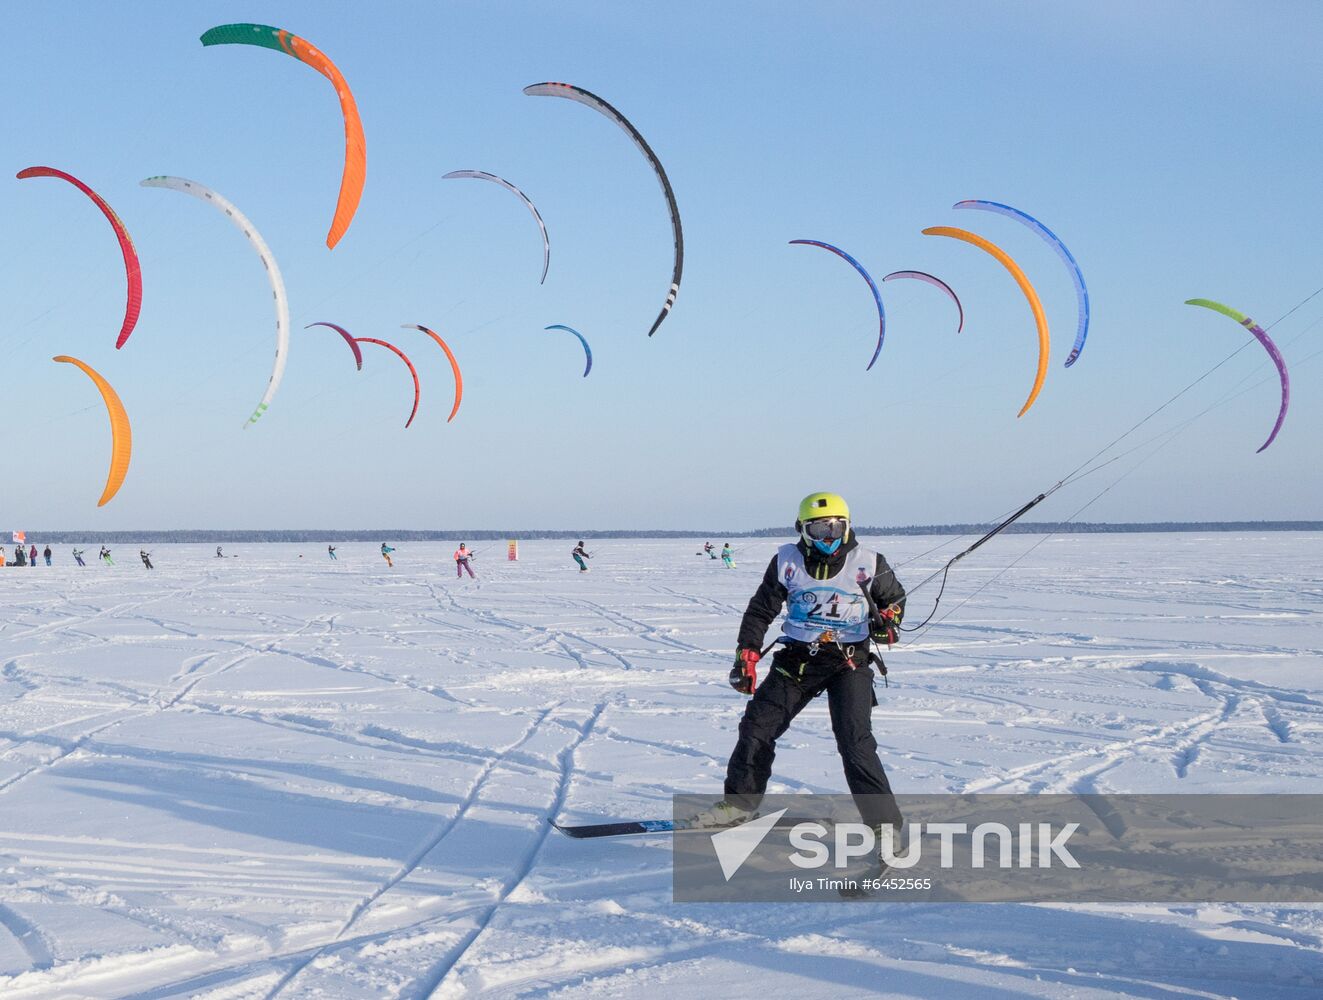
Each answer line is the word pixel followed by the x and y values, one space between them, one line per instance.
pixel 823 505
pixel 824 521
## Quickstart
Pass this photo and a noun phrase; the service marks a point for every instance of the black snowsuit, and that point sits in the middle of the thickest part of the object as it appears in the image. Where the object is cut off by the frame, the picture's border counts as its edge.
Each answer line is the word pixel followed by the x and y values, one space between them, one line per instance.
pixel 796 676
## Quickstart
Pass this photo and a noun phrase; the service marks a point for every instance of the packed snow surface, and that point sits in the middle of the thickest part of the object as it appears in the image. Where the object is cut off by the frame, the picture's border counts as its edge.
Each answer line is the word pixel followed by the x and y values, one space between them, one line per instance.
pixel 276 775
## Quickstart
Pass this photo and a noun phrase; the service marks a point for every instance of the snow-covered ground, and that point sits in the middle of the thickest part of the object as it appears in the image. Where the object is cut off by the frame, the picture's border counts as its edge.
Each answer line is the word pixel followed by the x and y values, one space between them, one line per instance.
pixel 277 775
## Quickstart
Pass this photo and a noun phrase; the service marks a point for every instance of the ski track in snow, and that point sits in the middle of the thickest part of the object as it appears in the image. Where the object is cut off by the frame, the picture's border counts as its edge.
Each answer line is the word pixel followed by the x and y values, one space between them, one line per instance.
pixel 428 846
pixel 269 777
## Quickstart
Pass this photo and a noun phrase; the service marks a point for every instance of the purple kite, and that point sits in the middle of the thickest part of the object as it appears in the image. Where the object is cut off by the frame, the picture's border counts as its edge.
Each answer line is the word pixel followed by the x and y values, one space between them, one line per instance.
pixel 932 279
pixel 1262 336
pixel 353 344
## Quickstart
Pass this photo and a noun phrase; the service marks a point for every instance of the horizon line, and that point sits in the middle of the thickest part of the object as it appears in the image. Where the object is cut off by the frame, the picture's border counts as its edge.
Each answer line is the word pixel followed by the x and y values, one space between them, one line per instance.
pixel 293 535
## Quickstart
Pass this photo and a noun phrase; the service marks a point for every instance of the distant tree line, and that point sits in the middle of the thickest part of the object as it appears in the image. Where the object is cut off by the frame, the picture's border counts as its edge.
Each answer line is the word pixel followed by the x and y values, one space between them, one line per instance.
pixel 212 537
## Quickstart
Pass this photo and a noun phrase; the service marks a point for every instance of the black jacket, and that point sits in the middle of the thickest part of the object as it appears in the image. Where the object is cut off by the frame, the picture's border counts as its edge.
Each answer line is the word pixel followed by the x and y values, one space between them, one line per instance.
pixel 770 597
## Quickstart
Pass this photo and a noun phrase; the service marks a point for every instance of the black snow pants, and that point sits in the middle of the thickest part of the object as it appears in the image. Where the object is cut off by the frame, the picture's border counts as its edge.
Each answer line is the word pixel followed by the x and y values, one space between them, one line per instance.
pixel 795 679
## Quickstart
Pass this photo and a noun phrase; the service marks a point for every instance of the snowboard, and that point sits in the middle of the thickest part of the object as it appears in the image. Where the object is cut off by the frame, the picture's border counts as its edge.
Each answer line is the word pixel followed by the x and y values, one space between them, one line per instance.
pixel 633 828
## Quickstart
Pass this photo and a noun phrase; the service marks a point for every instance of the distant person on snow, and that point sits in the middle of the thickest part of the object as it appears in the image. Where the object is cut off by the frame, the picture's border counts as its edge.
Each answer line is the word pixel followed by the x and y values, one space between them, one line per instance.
pixel 386 550
pixel 219 554
pixel 105 556
pixel 710 550
pixel 146 558
pixel 728 556
pixel 462 557
pixel 20 557
pixel 46 554
pixel 32 556
pixel 330 551
pixel 78 557
pixel 580 554
pixel 826 639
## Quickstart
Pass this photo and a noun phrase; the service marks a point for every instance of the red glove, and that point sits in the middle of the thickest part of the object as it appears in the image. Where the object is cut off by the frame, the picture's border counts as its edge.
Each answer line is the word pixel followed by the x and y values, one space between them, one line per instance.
pixel 744 675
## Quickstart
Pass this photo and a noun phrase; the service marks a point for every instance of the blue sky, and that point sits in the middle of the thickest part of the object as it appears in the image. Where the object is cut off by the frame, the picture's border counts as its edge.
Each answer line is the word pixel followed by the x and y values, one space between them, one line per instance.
pixel 1172 146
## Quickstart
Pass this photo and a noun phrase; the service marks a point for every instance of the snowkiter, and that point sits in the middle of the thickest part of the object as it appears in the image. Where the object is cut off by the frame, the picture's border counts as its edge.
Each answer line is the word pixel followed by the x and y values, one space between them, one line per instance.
pixel 219 554
pixel 580 554
pixel 330 551
pixel 728 556
pixel 825 648
pixel 146 558
pixel 462 557
pixel 105 556
pixel 386 550
pixel 78 557
pixel 46 554
pixel 710 550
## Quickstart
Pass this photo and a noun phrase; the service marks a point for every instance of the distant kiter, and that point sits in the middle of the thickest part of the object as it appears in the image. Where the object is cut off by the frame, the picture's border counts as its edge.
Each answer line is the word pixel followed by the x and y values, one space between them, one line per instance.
pixel 462 557
pixel 580 554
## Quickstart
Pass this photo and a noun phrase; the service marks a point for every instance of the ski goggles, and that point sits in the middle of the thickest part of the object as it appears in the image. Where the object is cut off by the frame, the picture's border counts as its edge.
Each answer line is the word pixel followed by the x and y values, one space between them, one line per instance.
pixel 826 529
